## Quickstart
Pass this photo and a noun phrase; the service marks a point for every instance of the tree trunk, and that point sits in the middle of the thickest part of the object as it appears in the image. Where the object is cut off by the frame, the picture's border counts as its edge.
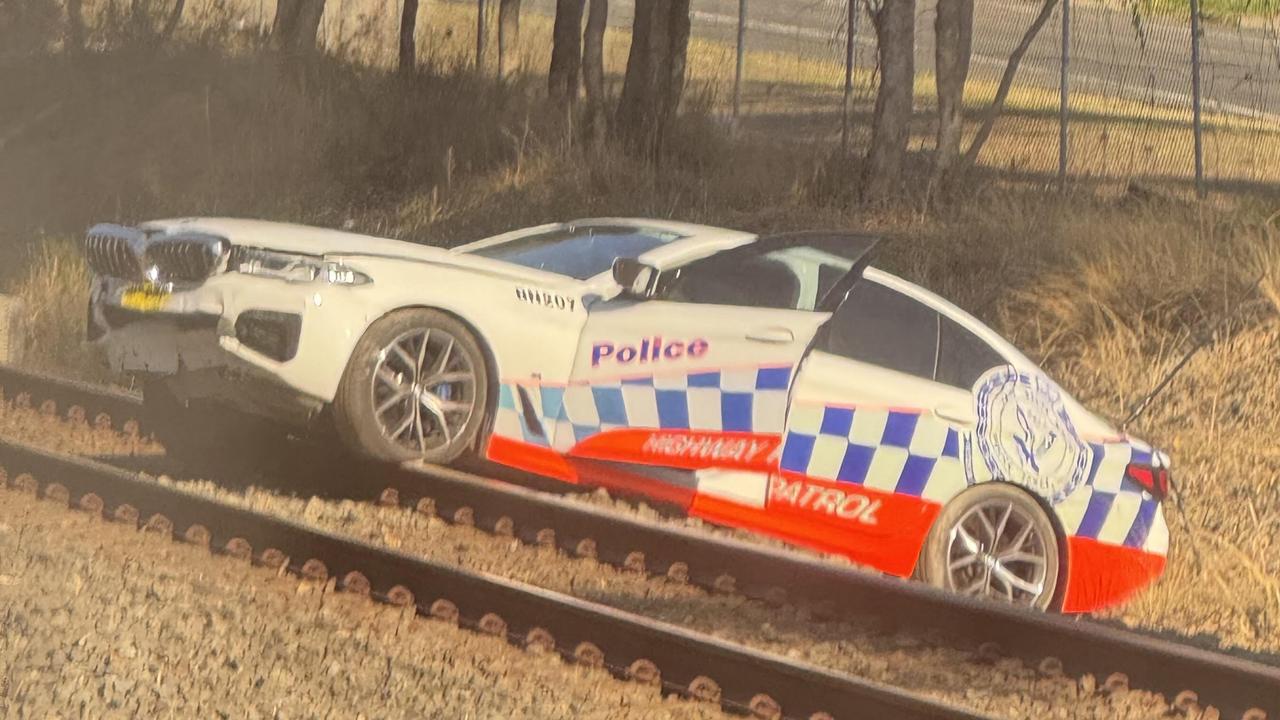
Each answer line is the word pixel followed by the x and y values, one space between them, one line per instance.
pixel 297 24
pixel 139 19
pixel 654 78
pixel 75 25
pixel 895 23
pixel 953 38
pixel 1006 82
pixel 175 17
pixel 408 41
pixel 566 52
pixel 508 35
pixel 593 52
pixel 482 33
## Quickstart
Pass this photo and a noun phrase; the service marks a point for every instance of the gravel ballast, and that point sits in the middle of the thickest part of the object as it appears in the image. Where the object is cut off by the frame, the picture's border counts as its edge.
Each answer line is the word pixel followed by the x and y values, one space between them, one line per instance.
pixel 902 657
pixel 101 620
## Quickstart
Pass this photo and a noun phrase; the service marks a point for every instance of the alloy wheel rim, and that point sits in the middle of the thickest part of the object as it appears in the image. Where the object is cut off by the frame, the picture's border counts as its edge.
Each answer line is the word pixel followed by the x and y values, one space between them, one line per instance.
pixel 996 551
pixel 423 390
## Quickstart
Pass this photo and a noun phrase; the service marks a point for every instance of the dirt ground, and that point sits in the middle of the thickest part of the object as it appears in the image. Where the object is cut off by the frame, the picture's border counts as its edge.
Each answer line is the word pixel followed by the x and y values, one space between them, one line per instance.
pixel 104 621
pixel 897 656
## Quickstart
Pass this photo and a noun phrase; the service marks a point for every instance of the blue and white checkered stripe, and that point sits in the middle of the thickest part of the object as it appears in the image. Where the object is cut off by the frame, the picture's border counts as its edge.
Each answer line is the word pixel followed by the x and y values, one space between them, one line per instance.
pixel 509 421
pixel 887 450
pixel 1112 509
pixel 745 400
pixel 916 454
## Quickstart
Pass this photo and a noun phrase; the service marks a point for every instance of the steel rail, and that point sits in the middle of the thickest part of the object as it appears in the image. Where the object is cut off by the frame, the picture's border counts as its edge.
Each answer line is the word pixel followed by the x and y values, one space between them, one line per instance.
pixel 651 651
pixel 1234 684
pixel 102 406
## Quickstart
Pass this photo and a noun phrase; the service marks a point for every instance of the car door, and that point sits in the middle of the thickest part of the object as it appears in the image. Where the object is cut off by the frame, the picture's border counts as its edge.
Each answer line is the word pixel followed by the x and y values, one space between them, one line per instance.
pixel 682 385
pixel 697 377
pixel 880 414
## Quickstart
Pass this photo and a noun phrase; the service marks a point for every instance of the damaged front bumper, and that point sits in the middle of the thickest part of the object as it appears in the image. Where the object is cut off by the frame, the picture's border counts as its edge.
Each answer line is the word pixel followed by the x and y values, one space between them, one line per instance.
pixel 237 339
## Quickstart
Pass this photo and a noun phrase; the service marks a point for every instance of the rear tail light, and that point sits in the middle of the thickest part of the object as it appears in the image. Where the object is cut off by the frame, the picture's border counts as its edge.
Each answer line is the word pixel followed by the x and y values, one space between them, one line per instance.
pixel 1153 479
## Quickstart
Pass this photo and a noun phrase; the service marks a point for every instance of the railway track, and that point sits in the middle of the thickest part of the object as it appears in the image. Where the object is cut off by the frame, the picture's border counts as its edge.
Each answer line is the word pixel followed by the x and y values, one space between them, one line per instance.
pixel 1194 677
pixel 700 667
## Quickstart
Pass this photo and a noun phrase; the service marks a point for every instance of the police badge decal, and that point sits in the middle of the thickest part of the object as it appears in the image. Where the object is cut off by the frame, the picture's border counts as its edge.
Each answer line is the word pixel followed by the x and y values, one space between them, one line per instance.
pixel 1025 436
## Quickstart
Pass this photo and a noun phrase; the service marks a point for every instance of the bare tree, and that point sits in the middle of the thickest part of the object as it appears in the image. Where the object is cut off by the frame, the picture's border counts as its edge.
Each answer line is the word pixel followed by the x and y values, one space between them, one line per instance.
pixel 895 24
pixel 508 35
pixel 654 78
pixel 408 42
pixel 75 25
pixel 593 51
pixel 175 17
pixel 566 51
pixel 296 25
pixel 953 44
pixel 1006 82
pixel 593 68
pixel 482 33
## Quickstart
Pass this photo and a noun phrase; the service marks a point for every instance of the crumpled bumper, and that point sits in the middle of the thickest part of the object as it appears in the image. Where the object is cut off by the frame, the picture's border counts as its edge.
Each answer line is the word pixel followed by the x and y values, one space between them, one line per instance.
pixel 249 332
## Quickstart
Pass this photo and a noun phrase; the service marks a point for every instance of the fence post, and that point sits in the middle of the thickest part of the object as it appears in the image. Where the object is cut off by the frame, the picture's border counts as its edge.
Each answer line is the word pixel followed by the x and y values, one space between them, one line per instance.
pixel 742 54
pixel 481 27
pixel 1197 126
pixel 850 45
pixel 1064 95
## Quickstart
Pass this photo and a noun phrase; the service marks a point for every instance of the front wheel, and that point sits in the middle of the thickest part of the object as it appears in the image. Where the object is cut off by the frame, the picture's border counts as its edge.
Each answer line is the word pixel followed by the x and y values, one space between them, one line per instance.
pixel 994 541
pixel 416 387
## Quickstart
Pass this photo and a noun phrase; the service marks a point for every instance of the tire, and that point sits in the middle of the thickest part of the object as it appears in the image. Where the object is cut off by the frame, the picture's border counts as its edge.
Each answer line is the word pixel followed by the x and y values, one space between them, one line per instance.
pixel 957 555
pixel 390 380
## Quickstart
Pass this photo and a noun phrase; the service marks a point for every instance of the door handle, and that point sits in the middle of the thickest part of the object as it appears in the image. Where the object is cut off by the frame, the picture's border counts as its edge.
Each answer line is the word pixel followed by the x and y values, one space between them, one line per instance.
pixel 960 415
pixel 775 335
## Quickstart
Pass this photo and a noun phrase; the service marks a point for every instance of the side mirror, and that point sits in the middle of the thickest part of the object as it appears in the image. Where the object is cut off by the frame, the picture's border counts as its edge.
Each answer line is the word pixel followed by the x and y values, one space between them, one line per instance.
pixel 634 277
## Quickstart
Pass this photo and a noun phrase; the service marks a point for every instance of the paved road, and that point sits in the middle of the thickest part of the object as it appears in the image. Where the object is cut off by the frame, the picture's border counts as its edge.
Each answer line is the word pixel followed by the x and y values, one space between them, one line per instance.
pixel 1110 55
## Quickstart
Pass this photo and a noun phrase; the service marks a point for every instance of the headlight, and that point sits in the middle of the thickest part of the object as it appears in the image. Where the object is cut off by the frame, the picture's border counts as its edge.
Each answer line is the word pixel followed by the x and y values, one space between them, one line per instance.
pixel 293 267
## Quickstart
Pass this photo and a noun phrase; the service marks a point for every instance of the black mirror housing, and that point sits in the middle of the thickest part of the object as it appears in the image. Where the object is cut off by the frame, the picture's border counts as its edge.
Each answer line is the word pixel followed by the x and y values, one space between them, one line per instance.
pixel 634 277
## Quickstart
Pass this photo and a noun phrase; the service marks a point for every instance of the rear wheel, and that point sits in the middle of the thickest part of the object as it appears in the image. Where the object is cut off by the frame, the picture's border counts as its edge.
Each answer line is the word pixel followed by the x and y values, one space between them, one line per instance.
pixel 416 386
pixel 994 541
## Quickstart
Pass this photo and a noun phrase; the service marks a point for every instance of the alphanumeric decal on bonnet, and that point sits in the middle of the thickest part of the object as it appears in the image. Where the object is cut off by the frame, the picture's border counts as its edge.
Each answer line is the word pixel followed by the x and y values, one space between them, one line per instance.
pixel 545 298
pixel 1025 435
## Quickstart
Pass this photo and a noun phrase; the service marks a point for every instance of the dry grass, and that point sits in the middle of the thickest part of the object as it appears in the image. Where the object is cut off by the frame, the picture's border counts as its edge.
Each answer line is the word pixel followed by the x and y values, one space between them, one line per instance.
pixel 54 289
pixel 1105 291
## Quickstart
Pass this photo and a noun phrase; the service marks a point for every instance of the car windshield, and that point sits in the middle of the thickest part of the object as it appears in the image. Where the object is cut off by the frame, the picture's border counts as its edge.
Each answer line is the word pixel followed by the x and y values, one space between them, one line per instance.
pixel 579 252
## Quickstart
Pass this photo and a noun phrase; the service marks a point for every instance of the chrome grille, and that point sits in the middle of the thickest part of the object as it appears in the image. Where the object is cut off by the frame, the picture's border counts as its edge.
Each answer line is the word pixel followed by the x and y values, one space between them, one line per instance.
pixel 131 254
pixel 184 259
pixel 110 252
pixel 235 258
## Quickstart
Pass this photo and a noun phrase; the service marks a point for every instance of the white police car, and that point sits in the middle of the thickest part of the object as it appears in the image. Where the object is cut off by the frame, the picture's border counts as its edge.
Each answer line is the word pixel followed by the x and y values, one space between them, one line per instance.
pixel 774 383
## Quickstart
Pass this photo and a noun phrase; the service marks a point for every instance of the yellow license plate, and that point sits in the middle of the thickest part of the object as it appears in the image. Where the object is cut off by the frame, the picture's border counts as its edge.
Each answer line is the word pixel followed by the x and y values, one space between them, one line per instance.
pixel 144 298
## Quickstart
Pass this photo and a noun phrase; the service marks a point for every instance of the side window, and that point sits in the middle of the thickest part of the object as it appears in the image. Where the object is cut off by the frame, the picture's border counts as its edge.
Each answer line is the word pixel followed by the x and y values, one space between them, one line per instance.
pixel 794 276
pixel 735 279
pixel 963 356
pixel 881 326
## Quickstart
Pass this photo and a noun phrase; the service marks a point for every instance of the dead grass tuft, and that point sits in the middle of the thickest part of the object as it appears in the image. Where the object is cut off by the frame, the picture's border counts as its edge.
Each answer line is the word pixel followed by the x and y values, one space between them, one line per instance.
pixel 54 291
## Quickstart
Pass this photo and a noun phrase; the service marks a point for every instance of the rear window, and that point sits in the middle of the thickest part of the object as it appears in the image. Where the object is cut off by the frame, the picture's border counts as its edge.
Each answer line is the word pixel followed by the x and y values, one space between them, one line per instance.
pixel 881 326
pixel 962 356
pixel 581 252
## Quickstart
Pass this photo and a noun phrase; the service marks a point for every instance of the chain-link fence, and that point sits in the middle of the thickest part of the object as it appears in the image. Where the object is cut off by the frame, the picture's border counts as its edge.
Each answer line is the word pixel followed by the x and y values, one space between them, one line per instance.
pixel 1129 77
pixel 1129 72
